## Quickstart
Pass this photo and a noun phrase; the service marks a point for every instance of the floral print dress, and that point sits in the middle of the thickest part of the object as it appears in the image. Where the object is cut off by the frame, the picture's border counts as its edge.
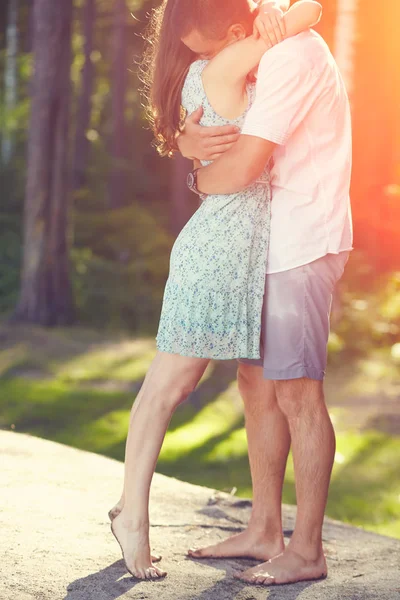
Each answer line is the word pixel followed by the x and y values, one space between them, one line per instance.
pixel 214 294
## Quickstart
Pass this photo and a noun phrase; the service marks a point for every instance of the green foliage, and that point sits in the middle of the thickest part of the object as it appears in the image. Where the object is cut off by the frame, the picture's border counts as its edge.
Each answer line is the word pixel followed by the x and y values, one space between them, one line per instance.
pixel 76 386
pixel 120 267
pixel 370 308
pixel 10 256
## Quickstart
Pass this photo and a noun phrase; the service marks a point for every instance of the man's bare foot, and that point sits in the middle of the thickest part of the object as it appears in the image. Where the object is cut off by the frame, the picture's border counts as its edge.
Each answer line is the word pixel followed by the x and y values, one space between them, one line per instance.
pixel 114 512
pixel 134 543
pixel 246 544
pixel 288 567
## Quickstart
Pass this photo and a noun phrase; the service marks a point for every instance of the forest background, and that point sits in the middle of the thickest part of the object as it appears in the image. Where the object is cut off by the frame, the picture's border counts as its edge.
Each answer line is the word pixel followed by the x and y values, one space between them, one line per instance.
pixel 88 216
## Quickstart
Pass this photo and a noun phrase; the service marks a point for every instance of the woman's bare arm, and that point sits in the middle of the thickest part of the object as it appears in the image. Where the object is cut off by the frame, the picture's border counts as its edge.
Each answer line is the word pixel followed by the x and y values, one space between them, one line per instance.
pixel 235 62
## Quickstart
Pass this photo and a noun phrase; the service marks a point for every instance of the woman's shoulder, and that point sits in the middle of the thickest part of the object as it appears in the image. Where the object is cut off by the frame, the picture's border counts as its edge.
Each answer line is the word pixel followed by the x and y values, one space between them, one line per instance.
pixel 197 67
pixel 193 87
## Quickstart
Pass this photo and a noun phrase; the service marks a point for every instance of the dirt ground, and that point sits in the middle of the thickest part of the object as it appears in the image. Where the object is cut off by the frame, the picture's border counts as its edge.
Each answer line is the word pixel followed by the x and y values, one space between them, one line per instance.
pixel 56 541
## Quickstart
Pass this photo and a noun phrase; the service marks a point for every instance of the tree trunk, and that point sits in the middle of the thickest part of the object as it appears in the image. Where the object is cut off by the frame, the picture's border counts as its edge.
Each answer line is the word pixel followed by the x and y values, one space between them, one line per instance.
pixel 85 101
pixel 119 88
pixel 10 78
pixel 46 296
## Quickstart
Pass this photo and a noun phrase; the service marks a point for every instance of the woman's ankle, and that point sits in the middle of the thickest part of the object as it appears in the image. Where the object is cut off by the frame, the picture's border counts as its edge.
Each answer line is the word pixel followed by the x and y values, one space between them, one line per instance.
pixel 134 522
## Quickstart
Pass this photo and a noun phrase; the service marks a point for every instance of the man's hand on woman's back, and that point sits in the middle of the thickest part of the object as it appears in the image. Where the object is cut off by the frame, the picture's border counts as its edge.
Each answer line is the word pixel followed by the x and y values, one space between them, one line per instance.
pixel 205 143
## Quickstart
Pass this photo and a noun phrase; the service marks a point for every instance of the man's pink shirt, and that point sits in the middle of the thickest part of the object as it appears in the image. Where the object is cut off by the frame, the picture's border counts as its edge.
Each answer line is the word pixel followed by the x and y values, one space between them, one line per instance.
pixel 301 104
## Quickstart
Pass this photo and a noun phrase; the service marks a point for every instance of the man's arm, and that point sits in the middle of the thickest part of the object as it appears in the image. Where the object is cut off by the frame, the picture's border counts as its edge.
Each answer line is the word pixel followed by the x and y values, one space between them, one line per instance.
pixel 286 91
pixel 205 143
pixel 236 169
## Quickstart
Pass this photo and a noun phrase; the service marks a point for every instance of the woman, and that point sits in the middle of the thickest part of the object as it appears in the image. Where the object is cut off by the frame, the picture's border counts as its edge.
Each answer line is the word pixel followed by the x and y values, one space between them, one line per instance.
pixel 202 53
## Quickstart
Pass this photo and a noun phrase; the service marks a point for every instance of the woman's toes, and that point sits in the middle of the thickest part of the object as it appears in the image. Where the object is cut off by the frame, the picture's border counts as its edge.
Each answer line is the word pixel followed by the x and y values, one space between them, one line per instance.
pixel 156 558
pixel 150 573
pixel 154 573
pixel 141 574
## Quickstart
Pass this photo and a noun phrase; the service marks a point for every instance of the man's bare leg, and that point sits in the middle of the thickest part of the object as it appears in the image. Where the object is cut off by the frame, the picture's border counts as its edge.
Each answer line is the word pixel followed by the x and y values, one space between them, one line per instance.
pixel 268 444
pixel 169 381
pixel 313 445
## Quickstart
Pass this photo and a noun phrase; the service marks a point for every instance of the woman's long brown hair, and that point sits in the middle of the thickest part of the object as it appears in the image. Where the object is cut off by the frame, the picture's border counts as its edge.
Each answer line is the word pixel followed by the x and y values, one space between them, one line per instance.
pixel 167 60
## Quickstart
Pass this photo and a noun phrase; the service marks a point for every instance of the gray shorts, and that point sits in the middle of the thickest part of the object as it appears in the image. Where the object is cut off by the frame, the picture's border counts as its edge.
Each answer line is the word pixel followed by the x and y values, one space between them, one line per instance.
pixel 295 319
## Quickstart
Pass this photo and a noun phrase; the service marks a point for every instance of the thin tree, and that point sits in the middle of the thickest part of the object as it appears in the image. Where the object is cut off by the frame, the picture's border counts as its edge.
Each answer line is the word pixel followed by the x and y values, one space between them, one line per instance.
pixel 85 100
pixel 119 90
pixel 45 296
pixel 10 78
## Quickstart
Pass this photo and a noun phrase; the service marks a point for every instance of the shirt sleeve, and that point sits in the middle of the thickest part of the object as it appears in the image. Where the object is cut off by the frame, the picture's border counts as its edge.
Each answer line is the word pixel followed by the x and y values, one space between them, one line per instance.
pixel 286 89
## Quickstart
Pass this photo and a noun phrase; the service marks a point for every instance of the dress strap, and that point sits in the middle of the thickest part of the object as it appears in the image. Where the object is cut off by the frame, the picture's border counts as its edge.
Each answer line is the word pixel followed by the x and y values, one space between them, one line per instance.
pixel 193 94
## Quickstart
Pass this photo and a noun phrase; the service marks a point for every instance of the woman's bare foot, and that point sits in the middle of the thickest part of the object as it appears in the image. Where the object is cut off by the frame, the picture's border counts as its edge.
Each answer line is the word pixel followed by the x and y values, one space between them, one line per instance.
pixel 246 544
pixel 114 512
pixel 288 567
pixel 134 543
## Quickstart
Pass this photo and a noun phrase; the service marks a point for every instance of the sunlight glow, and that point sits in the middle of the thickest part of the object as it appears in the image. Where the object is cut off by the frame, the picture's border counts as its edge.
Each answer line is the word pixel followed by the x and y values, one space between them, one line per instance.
pixel 345 33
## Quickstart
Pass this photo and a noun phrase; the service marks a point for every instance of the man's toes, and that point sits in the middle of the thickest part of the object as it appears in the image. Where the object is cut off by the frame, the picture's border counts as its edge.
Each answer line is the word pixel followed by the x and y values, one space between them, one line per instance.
pixel 265 580
pixel 198 553
pixel 245 576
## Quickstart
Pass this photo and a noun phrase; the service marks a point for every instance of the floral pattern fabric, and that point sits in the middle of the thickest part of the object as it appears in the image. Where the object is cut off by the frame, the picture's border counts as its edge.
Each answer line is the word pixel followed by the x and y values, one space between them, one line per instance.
pixel 214 294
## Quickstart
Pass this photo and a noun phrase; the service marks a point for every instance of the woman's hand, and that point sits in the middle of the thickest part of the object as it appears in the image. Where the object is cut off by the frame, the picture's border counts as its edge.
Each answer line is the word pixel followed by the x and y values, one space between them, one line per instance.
pixel 270 24
pixel 205 143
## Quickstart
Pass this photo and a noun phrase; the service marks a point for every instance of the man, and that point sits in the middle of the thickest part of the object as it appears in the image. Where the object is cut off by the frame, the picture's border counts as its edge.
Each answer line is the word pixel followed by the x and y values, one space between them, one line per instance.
pixel 300 116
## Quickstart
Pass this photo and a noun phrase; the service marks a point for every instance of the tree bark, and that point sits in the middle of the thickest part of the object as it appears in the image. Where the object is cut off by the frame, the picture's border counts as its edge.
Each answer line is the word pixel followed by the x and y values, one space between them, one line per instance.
pixel 10 78
pixel 119 89
pixel 46 296
pixel 85 101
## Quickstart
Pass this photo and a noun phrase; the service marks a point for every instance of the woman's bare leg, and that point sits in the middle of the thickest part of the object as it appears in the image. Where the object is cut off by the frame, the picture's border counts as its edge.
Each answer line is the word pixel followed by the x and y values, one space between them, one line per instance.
pixel 119 506
pixel 168 382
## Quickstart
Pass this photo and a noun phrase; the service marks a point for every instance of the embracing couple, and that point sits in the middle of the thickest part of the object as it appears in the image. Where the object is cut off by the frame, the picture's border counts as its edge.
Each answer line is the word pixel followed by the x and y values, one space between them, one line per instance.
pixel 253 271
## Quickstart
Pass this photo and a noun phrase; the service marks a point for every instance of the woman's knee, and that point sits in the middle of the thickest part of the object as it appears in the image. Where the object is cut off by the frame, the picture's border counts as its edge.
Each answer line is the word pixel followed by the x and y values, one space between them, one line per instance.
pixel 170 394
pixel 173 381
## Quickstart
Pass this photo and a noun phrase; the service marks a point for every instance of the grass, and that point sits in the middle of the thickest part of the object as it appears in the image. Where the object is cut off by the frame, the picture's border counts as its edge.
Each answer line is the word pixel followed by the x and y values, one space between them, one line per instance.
pixel 75 387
